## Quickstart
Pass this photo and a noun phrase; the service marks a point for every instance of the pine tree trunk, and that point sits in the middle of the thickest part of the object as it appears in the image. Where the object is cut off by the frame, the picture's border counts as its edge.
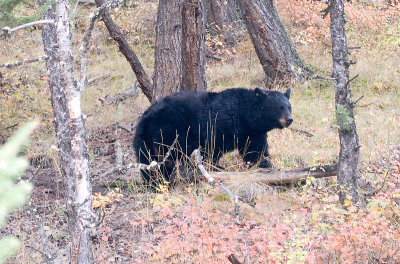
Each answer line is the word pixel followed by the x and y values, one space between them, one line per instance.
pixel 273 46
pixel 193 46
pixel 349 145
pixel 167 77
pixel 224 17
pixel 70 131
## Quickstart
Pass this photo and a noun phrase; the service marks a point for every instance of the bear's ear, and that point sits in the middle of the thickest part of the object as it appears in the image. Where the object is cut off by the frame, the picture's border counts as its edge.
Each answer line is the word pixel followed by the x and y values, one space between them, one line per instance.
pixel 287 93
pixel 258 91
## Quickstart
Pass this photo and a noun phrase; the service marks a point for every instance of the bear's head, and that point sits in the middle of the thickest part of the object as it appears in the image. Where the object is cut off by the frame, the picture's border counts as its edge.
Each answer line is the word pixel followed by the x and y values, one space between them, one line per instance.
pixel 276 109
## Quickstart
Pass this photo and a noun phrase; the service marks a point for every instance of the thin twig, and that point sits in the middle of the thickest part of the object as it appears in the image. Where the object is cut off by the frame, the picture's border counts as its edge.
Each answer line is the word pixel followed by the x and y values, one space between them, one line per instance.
pixel 352 79
pixel 20 63
pixel 356 101
pixel 6 31
pixel 95 78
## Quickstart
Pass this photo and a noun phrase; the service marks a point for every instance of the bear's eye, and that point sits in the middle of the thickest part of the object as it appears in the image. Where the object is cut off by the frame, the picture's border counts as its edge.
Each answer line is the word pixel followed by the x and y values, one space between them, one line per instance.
pixel 281 108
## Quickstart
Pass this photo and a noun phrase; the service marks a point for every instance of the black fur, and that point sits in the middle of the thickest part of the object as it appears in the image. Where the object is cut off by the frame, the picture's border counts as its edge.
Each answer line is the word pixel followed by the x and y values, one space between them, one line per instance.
pixel 219 122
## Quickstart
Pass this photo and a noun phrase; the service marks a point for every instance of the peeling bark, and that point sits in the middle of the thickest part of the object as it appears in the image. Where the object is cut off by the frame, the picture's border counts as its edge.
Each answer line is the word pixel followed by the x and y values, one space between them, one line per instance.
pixel 273 46
pixel 349 144
pixel 70 131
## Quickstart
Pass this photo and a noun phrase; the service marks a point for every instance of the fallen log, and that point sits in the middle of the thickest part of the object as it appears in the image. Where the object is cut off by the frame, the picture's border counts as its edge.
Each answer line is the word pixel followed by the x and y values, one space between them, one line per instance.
pixel 266 176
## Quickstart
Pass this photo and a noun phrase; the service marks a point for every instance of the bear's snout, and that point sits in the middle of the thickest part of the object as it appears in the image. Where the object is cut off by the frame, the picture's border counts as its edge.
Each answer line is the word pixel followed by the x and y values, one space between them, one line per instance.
pixel 289 122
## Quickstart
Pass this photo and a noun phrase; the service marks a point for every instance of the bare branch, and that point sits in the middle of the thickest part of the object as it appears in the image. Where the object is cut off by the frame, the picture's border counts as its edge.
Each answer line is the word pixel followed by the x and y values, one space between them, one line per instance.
pixel 352 79
pixel 356 101
pixel 111 99
pixel 6 31
pixel 95 78
pixel 86 38
pixel 20 63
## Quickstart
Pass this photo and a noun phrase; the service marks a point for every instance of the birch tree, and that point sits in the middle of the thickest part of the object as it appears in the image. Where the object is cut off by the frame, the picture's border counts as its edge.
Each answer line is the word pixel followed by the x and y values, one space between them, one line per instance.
pixel 349 144
pixel 70 131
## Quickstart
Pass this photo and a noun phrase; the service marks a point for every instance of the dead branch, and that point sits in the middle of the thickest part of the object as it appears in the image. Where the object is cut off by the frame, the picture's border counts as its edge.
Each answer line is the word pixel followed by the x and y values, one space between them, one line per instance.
pixel 352 79
pixel 86 39
pixel 6 31
pixel 356 101
pixel 95 78
pixel 20 63
pixel 308 134
pixel 279 177
pixel 112 99
pixel 126 50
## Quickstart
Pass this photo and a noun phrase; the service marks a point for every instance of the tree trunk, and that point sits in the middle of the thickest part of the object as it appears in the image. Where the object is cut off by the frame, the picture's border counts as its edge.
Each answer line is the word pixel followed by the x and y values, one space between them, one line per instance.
pixel 70 131
pixel 224 17
pixel 273 46
pixel 127 51
pixel 167 77
pixel 349 145
pixel 193 46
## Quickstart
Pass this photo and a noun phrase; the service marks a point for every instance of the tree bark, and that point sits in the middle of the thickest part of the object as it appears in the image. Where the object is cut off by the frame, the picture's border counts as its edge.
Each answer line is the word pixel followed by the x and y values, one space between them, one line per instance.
pixel 70 131
pixel 273 46
pixel 224 17
pixel 349 145
pixel 167 77
pixel 193 46
pixel 127 51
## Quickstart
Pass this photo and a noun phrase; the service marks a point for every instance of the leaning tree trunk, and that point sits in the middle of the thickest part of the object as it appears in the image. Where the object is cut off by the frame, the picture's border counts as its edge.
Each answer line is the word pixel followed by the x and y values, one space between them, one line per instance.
pixel 273 46
pixel 167 55
pixel 70 131
pixel 126 50
pixel 193 46
pixel 349 145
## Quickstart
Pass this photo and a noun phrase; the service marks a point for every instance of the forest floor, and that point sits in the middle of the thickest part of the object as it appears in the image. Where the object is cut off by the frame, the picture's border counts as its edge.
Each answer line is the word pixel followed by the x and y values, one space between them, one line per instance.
pixel 303 223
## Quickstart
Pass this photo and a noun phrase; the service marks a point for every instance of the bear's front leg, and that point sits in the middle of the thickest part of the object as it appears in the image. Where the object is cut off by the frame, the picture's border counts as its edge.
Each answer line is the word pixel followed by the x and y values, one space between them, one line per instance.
pixel 255 149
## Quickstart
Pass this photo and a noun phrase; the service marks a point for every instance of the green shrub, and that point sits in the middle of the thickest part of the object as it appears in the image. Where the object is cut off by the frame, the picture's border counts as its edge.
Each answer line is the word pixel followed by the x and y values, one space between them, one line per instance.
pixel 13 195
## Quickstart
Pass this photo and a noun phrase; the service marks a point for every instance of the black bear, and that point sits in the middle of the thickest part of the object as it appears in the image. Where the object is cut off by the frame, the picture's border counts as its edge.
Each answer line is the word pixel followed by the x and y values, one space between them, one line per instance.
pixel 218 122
